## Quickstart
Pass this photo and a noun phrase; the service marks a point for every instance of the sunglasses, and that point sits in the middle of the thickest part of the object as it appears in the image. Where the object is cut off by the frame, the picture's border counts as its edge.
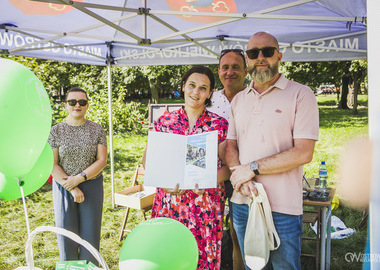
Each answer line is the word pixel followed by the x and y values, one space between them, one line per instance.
pixel 73 102
pixel 237 51
pixel 267 52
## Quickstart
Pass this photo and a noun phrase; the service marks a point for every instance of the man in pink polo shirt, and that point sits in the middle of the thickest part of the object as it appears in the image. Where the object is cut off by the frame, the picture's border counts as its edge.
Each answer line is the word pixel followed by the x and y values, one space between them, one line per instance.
pixel 273 127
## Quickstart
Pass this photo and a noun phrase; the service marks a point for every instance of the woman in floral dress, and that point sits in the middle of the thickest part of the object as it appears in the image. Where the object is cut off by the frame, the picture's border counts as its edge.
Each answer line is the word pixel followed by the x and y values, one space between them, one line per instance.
pixel 200 210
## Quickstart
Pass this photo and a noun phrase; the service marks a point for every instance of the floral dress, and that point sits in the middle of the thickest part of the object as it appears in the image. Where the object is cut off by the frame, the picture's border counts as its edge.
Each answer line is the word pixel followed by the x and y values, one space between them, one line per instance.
pixel 202 214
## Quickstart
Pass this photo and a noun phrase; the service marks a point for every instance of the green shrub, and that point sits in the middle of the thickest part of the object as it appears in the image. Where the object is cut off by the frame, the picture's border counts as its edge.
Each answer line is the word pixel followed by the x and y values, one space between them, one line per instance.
pixel 127 118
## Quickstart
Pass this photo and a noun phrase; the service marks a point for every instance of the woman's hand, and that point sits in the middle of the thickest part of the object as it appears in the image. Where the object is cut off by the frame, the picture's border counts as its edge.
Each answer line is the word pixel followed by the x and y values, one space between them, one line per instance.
pixel 78 195
pixel 71 182
pixel 198 191
pixel 174 191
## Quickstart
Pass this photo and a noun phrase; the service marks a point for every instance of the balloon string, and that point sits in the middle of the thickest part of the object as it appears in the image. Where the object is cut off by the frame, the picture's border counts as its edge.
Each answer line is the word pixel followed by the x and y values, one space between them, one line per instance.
pixel 26 217
pixel 25 211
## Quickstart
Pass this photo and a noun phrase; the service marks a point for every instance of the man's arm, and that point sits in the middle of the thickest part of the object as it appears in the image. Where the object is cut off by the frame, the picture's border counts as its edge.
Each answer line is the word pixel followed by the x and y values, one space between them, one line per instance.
pixel 232 153
pixel 224 171
pixel 301 153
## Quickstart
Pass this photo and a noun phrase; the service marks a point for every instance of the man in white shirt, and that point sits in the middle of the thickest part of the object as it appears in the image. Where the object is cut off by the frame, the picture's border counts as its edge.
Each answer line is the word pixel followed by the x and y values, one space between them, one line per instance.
pixel 232 72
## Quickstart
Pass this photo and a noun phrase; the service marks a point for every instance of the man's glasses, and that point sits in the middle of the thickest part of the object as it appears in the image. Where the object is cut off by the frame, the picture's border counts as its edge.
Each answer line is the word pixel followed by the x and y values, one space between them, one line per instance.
pixel 73 102
pixel 267 52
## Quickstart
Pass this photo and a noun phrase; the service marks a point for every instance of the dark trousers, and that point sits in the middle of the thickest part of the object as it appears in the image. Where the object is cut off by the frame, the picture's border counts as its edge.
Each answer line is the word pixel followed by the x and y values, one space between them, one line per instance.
pixel 83 219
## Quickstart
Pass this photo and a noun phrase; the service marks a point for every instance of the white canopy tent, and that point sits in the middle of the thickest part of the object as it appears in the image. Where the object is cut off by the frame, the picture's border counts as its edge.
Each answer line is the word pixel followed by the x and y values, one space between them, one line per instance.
pixel 163 32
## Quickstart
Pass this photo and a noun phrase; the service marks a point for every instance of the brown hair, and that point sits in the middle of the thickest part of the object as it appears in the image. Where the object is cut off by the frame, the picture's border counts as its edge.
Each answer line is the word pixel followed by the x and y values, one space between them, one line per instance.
pixel 201 70
pixel 75 89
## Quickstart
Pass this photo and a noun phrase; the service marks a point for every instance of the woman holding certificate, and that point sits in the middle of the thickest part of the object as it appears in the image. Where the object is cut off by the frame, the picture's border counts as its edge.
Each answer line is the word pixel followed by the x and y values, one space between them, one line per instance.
pixel 200 210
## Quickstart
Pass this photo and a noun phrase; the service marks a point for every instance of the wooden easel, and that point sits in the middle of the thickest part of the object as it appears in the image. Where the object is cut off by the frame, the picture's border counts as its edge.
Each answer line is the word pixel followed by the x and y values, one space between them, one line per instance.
pixel 139 171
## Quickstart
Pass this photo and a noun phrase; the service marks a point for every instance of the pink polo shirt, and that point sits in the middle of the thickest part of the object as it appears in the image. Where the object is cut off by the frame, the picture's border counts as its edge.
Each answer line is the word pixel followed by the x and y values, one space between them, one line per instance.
pixel 266 124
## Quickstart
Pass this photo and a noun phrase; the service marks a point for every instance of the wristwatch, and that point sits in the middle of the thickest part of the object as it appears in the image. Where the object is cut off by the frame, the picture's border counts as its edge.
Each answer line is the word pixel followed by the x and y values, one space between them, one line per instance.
pixel 254 167
pixel 84 175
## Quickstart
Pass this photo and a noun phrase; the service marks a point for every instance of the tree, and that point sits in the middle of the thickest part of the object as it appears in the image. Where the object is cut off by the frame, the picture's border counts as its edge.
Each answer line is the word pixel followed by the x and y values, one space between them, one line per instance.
pixel 359 70
pixel 339 73
pixel 127 117
pixel 163 79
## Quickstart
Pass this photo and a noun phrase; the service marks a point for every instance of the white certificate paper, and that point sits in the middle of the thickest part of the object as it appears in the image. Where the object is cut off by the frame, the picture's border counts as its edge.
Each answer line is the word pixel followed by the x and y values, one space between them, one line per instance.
pixel 186 160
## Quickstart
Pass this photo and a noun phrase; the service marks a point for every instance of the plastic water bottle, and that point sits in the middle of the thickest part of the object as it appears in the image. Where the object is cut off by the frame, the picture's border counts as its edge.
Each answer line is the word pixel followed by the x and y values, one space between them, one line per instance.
pixel 323 177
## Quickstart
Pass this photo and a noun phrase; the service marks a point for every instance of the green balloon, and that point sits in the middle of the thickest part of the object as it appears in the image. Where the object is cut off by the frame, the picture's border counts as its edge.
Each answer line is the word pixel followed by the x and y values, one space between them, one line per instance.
pixel 25 118
pixel 159 244
pixel 32 181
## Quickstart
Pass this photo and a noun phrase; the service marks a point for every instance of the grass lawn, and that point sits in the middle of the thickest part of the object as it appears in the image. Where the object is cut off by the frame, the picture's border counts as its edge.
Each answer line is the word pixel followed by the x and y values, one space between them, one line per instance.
pixel 336 127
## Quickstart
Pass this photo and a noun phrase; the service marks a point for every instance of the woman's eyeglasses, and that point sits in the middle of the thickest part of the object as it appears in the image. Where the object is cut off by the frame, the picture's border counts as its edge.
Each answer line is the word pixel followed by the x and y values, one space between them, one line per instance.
pixel 267 52
pixel 73 102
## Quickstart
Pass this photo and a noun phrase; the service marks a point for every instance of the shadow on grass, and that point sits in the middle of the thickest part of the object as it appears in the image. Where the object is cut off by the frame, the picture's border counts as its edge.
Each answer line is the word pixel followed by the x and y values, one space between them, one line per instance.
pixel 121 159
pixel 328 102
pixel 333 118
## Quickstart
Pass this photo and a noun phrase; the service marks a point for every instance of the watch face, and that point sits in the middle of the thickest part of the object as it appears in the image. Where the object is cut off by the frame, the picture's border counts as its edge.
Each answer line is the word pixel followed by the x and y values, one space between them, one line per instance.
pixel 254 166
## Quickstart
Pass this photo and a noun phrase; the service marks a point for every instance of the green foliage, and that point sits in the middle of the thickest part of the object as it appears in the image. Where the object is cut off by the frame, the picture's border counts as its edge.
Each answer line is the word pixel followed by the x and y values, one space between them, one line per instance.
pixel 126 117
pixel 58 112
pixel 314 74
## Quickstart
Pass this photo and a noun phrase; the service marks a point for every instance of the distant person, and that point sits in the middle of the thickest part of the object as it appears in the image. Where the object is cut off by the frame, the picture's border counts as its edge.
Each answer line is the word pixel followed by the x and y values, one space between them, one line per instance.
pixel 80 154
pixel 200 210
pixel 273 128
pixel 176 95
pixel 232 71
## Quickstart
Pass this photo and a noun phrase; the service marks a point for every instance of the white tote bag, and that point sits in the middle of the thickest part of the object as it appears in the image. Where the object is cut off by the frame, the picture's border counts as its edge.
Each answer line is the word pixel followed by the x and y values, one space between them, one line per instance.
pixel 260 235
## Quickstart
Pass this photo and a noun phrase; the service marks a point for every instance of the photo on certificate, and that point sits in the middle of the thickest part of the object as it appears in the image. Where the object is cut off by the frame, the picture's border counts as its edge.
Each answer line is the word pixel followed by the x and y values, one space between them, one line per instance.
pixel 196 152
pixel 186 160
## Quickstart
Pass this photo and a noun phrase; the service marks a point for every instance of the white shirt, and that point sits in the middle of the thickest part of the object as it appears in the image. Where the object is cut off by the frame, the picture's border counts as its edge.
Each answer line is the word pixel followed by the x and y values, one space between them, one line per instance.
pixel 220 104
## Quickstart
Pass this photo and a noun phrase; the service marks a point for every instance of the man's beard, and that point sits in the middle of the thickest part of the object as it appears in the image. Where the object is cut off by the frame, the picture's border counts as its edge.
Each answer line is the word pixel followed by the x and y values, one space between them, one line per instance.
pixel 263 76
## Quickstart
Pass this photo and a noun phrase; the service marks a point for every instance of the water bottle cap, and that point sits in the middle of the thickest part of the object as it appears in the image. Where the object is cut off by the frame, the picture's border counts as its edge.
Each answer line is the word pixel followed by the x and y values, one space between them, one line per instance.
pixel 322 162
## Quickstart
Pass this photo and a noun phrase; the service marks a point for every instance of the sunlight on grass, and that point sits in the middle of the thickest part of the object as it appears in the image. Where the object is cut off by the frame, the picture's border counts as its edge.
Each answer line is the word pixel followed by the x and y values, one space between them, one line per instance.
pixel 336 127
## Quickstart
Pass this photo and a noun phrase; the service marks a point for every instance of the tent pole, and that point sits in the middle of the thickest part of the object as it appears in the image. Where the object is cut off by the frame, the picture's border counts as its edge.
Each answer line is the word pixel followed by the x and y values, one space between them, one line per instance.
pixel 144 21
pixel 373 42
pixel 110 124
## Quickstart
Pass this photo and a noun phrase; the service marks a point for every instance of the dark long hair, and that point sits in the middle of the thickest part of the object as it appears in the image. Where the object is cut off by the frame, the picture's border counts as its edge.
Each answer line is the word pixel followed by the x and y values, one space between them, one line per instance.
pixel 201 70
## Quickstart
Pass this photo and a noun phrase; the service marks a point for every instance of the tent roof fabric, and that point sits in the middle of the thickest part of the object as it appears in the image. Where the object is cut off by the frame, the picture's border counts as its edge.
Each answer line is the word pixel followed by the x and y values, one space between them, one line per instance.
pixel 162 32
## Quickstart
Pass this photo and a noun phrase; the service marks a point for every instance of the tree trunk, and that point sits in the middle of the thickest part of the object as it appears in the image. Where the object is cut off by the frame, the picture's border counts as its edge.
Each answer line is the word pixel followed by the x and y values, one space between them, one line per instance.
pixel 343 98
pixel 356 90
pixel 350 96
pixel 154 90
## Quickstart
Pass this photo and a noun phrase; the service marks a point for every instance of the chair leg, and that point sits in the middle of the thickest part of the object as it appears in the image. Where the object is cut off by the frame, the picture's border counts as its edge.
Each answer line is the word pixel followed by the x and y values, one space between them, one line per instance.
pixel 318 241
pixel 143 213
pixel 124 223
